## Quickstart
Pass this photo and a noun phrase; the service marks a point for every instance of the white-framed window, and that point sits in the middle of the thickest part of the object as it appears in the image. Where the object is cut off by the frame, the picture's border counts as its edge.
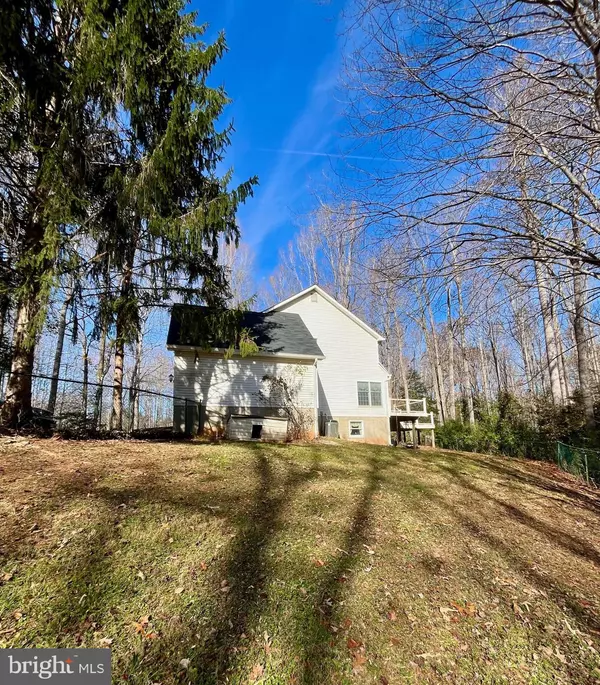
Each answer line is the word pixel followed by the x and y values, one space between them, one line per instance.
pixel 369 393
pixel 356 429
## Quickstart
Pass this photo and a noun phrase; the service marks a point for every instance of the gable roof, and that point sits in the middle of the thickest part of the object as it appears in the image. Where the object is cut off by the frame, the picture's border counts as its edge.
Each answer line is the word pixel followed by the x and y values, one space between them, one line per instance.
pixel 317 289
pixel 276 333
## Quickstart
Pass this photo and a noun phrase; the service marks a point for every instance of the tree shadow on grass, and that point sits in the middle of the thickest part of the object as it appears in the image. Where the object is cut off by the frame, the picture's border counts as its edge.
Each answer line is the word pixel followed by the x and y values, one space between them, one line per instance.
pixel 556 536
pixel 316 639
pixel 228 611
pixel 524 473
pixel 245 573
pixel 542 580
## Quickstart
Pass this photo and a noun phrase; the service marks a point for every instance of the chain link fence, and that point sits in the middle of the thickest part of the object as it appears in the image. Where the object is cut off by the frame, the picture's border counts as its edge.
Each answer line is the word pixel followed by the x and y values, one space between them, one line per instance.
pixel 579 461
pixel 78 407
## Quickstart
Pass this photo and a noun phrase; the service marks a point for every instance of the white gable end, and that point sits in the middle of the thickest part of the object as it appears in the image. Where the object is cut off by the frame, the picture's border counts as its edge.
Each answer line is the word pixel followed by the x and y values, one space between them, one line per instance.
pixel 351 352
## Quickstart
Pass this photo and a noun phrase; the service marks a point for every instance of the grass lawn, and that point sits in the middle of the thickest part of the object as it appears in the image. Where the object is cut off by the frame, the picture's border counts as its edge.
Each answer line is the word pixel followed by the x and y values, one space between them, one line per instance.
pixel 222 563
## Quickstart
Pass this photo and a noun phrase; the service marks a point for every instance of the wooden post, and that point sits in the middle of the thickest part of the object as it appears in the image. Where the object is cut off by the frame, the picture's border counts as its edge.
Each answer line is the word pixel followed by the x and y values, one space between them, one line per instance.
pixel 433 438
pixel 414 434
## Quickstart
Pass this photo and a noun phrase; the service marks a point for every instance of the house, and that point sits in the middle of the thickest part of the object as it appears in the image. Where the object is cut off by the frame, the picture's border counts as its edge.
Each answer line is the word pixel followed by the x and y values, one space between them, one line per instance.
pixel 323 356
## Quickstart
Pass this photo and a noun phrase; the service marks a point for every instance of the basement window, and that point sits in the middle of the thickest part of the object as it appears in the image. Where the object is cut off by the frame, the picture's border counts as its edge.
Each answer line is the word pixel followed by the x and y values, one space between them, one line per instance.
pixel 256 431
pixel 357 429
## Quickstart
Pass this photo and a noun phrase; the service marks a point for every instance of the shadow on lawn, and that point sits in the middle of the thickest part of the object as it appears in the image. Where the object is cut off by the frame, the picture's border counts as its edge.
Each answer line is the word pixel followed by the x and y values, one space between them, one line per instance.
pixel 318 639
pixel 256 513
pixel 511 550
pixel 556 536
pixel 246 569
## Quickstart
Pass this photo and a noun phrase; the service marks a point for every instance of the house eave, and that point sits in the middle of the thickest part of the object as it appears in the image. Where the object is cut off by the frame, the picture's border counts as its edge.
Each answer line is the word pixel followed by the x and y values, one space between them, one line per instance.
pixel 236 353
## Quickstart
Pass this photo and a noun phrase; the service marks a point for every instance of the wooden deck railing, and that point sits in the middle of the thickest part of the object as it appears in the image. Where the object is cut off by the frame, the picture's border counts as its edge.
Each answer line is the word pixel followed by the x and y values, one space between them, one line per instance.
pixel 408 406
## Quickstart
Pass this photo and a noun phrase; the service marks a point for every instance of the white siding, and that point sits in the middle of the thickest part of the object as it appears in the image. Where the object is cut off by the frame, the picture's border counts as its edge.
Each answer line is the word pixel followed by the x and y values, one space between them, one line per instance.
pixel 219 382
pixel 239 428
pixel 351 355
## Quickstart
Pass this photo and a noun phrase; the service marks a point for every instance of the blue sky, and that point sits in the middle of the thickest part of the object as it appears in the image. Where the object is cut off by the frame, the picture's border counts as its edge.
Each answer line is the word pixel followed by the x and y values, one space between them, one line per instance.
pixel 282 73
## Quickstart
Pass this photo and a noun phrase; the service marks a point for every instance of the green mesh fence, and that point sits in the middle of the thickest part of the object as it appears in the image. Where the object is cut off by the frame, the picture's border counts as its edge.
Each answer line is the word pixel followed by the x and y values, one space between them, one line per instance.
pixel 580 461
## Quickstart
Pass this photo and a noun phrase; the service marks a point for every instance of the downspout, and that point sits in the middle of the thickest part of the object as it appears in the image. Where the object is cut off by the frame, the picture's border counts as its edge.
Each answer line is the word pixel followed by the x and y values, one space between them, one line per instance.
pixel 316 393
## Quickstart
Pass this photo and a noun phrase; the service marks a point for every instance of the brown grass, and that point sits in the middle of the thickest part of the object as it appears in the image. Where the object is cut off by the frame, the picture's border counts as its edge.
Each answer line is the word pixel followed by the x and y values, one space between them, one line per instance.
pixel 299 564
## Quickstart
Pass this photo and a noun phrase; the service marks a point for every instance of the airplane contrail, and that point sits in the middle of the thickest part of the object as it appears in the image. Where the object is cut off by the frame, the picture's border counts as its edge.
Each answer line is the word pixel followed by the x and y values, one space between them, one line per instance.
pixel 312 153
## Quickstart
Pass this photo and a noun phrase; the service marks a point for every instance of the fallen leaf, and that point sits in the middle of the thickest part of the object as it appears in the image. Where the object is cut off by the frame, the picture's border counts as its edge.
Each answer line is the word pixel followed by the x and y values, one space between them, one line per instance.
pixel 353 644
pixel 17 615
pixel 178 590
pixel 358 662
pixel 468 609
pixel 141 575
pixel 6 577
pixel 107 641
pixel 392 615
pixel 319 562
pixel 203 565
pixel 346 623
pixel 383 680
pixel 256 672
pixel 395 641
pixel 184 663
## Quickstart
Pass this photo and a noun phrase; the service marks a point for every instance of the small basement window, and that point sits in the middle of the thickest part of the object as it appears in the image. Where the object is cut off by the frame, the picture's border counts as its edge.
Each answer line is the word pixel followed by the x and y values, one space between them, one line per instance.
pixel 256 431
pixel 356 429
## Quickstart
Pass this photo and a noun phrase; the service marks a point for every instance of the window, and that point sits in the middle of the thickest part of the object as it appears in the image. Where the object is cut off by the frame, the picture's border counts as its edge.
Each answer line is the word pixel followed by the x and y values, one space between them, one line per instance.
pixel 369 394
pixel 363 394
pixel 356 429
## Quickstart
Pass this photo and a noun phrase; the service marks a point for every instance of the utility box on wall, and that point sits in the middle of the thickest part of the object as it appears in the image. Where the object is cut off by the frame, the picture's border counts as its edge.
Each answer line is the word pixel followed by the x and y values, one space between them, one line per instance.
pixel 267 428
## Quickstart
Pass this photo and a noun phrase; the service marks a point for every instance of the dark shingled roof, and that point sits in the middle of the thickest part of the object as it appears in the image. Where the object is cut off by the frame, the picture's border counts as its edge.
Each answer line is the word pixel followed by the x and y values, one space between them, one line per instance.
pixel 273 332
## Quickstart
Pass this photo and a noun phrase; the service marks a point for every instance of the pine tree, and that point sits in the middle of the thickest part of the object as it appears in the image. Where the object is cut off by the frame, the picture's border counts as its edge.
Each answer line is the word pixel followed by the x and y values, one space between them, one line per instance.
pixel 110 130
pixel 169 207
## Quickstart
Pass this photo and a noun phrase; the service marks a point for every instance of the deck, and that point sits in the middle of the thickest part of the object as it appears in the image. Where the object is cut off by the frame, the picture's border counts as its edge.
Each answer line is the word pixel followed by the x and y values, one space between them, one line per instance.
pixel 406 411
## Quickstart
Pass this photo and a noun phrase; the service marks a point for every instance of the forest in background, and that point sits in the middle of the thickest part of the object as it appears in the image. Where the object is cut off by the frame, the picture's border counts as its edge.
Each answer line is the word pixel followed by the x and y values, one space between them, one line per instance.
pixel 472 247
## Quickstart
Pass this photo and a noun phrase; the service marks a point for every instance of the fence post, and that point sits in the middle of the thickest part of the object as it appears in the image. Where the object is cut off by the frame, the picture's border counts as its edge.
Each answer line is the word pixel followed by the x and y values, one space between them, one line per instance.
pixel 587 473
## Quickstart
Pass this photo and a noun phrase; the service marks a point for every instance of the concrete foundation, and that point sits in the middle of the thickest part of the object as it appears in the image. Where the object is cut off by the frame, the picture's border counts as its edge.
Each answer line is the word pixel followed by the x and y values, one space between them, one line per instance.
pixel 376 429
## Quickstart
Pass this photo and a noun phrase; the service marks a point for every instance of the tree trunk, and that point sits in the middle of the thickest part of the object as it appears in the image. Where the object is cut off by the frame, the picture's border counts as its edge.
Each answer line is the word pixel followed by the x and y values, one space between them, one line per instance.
pixel 400 339
pixel 17 402
pixel 467 388
pixel 4 307
pixel 100 374
pixel 552 350
pixel 122 334
pixel 60 342
pixel 86 376
pixel 451 383
pixel 496 360
pixel 485 384
pixel 439 377
pixel 562 368
pixel 117 406
pixel 134 395
pixel 579 331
